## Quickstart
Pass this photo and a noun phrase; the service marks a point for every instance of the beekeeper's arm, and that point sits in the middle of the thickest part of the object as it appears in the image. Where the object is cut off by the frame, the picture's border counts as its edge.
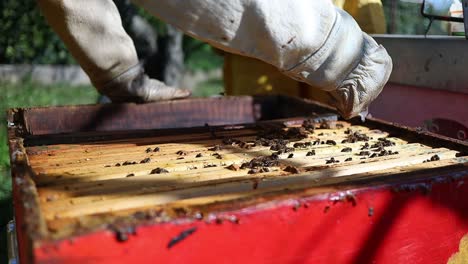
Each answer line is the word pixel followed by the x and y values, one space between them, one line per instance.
pixel 311 41
pixel 93 33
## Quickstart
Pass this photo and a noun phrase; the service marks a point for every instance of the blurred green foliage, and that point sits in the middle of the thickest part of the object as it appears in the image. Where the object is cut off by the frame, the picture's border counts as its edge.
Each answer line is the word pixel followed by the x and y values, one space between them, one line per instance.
pixel 406 19
pixel 210 87
pixel 197 54
pixel 27 38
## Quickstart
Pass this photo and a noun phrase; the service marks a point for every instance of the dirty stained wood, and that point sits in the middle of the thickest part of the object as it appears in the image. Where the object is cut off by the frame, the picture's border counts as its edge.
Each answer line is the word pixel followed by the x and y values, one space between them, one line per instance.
pixel 111 171
pixel 196 168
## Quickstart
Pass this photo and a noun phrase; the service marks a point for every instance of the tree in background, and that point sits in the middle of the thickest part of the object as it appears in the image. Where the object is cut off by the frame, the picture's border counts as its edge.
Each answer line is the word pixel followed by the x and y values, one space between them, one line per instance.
pixel 26 38
pixel 159 46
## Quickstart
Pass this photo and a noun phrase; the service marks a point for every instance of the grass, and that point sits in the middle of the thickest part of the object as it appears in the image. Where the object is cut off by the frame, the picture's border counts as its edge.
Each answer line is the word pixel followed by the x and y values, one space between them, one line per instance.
pixel 28 94
pixel 209 88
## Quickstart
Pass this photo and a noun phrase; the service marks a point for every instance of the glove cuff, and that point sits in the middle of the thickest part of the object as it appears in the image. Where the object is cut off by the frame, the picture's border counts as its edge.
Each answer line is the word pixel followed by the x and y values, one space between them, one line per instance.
pixel 350 65
pixel 365 82
pixel 126 87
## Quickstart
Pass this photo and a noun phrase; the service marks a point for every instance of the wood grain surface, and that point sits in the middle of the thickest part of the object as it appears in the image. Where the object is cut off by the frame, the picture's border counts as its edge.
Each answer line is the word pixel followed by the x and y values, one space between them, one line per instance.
pixel 195 167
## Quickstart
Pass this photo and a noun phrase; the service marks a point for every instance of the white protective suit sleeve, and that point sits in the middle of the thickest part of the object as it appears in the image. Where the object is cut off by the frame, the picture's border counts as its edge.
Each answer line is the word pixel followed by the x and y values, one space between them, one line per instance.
pixel 93 33
pixel 309 40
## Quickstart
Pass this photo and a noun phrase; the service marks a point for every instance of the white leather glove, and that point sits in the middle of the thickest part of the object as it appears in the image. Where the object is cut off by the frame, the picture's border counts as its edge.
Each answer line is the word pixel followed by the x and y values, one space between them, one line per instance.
pixel 135 86
pixel 311 41
pixel 92 31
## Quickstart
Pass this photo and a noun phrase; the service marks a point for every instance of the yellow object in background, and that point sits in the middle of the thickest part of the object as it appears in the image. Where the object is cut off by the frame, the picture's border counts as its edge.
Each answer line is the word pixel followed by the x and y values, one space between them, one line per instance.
pixel 247 76
pixel 369 14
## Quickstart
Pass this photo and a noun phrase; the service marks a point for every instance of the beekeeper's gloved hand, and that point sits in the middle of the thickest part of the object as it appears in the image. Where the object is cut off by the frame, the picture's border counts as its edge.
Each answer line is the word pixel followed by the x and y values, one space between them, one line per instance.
pixel 134 85
pixel 92 31
pixel 311 41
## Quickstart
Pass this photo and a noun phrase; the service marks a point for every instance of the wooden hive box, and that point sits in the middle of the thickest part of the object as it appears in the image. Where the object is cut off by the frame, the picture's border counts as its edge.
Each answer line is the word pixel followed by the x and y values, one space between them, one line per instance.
pixel 232 179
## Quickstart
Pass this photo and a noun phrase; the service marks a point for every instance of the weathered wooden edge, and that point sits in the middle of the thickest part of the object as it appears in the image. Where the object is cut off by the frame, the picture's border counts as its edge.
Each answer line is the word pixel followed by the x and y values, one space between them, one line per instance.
pixel 130 116
pixel 195 112
pixel 30 224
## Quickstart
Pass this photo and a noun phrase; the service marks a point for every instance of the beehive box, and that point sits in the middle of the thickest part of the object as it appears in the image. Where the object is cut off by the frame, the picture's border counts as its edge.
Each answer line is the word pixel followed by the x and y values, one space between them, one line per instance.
pixel 241 179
